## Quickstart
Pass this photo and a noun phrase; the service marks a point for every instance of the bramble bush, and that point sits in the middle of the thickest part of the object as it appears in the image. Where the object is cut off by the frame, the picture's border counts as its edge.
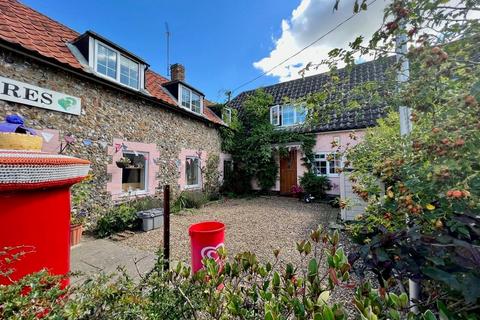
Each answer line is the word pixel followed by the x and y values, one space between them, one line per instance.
pixel 425 225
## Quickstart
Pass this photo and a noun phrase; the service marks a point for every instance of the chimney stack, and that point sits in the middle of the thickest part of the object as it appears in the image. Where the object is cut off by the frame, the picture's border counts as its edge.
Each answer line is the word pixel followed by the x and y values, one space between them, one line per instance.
pixel 177 72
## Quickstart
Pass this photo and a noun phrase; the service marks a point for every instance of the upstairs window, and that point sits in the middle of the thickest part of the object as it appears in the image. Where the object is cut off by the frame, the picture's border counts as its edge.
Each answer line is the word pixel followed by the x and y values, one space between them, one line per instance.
pixel 106 61
pixel 114 65
pixel 129 72
pixel 287 115
pixel 190 100
pixel 196 107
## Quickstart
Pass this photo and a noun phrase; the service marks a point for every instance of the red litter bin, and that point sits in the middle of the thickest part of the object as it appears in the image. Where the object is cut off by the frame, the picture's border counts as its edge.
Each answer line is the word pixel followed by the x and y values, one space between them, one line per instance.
pixel 205 238
pixel 35 210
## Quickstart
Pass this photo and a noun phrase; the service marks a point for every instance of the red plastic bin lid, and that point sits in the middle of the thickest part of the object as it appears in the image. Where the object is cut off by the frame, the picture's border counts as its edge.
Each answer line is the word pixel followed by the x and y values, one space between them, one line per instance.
pixel 206 227
pixel 24 170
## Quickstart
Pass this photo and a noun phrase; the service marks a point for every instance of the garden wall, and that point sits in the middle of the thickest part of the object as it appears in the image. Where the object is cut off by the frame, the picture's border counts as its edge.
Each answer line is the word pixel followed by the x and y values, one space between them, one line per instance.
pixel 108 116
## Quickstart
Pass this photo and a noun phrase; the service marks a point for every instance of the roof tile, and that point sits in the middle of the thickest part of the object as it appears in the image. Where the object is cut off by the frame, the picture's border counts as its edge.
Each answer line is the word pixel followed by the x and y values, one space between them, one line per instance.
pixel 363 117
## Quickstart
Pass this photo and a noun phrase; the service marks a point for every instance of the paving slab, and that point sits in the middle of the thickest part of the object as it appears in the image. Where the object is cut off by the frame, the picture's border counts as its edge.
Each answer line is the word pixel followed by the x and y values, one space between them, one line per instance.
pixel 93 256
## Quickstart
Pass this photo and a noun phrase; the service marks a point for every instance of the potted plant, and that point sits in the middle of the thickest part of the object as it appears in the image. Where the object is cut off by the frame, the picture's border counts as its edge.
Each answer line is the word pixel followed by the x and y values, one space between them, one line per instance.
pixel 78 215
pixel 123 162
pixel 297 191
pixel 77 219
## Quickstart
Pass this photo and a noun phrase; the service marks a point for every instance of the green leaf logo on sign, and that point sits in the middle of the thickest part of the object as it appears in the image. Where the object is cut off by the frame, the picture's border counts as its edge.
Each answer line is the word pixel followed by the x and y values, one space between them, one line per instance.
pixel 67 102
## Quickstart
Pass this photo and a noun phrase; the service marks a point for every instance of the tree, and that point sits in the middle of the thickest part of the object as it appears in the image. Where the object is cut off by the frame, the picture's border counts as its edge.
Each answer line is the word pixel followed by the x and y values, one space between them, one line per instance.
pixel 425 226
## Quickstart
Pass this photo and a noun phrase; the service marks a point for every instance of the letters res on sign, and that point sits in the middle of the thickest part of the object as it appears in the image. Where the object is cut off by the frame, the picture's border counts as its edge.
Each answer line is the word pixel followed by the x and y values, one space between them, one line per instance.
pixel 21 92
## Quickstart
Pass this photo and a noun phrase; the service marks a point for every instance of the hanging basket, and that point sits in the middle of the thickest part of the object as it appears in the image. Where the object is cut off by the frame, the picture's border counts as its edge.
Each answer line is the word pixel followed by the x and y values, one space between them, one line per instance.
pixel 122 164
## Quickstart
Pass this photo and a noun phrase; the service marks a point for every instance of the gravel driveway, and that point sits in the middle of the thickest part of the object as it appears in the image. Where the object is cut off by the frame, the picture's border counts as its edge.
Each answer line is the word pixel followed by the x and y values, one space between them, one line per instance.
pixel 258 225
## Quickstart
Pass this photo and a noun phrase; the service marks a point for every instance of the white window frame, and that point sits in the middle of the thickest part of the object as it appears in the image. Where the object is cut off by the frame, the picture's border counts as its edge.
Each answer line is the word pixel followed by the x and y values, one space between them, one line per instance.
pixel 145 169
pixel 278 122
pixel 328 164
pixel 199 173
pixel 227 113
pixel 93 64
pixel 180 97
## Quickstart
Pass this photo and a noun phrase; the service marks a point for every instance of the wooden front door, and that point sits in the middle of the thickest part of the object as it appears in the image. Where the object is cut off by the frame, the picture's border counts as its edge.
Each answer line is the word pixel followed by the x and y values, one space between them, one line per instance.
pixel 288 172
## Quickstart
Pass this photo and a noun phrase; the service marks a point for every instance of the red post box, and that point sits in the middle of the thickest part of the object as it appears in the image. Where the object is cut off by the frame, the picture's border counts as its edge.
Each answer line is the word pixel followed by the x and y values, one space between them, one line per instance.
pixel 35 210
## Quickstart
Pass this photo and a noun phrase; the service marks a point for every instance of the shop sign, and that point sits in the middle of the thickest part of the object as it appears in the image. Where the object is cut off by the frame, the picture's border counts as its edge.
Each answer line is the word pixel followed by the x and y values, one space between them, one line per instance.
pixel 21 92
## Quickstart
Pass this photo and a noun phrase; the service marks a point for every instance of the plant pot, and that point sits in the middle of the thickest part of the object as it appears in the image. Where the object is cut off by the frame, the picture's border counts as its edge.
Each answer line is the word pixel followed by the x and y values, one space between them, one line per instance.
pixel 76 231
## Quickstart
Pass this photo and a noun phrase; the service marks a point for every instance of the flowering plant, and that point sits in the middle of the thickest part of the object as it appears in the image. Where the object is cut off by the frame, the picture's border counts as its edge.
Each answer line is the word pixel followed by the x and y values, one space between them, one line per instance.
pixel 296 190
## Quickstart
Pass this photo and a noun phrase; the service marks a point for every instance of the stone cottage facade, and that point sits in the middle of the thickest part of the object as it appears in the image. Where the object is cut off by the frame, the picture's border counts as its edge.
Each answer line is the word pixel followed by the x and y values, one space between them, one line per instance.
pixel 134 115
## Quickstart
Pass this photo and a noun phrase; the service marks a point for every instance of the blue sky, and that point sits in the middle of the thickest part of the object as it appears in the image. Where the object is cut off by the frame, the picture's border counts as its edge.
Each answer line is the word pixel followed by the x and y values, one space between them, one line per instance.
pixel 222 43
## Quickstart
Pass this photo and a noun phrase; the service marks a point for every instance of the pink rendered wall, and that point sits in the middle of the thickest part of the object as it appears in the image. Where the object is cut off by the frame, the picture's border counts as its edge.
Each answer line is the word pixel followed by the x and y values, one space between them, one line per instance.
pixel 51 140
pixel 151 155
pixel 184 153
pixel 324 144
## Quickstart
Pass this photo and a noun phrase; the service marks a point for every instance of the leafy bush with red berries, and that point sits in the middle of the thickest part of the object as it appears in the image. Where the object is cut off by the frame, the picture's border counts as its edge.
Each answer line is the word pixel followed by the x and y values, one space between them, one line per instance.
pixel 425 224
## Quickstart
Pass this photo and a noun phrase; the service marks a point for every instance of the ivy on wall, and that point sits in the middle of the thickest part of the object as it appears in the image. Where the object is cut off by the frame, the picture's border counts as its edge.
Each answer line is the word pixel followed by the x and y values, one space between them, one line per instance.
pixel 254 143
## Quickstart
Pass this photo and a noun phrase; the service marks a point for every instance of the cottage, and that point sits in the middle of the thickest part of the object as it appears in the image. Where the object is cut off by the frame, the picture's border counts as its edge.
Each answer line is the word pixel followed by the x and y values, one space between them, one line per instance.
pixel 345 128
pixel 87 96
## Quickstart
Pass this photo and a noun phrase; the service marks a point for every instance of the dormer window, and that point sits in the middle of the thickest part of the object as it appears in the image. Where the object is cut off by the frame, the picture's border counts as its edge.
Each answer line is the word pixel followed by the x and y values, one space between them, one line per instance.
pixel 190 100
pixel 106 61
pixel 129 72
pixel 111 63
pixel 287 115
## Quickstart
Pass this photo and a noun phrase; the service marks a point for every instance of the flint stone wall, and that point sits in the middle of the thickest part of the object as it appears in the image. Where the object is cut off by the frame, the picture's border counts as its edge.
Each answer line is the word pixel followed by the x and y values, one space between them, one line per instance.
pixel 106 114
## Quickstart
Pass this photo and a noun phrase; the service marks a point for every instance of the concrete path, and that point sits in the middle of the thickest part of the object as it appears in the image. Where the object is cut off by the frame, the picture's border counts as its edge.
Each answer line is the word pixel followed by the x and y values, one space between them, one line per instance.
pixel 93 256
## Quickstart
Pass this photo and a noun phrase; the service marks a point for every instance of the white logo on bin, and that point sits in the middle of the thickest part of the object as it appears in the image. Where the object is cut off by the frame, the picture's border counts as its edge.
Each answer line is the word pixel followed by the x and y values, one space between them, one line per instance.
pixel 211 252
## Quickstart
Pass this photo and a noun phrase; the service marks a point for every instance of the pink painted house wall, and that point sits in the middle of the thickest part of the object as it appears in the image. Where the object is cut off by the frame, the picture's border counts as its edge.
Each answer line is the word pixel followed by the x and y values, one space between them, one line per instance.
pixel 323 144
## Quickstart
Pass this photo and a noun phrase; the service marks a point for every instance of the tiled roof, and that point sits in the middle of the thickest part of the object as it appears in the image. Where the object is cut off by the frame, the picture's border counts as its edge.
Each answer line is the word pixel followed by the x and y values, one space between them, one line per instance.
pixel 209 113
pixel 153 83
pixel 363 117
pixel 22 25
pixel 36 32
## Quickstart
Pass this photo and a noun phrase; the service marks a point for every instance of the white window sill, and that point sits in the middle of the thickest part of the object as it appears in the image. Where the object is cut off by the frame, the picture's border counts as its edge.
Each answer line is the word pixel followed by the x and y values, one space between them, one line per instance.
pixel 135 193
pixel 101 75
pixel 192 187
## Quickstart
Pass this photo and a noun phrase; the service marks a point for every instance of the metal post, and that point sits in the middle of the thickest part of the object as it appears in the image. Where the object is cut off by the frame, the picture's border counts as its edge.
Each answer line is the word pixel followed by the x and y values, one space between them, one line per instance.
pixel 402 76
pixel 405 128
pixel 166 226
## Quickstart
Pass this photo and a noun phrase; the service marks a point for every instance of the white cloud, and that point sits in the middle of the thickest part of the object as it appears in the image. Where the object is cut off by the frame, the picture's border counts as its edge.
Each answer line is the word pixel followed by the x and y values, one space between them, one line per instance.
pixel 309 21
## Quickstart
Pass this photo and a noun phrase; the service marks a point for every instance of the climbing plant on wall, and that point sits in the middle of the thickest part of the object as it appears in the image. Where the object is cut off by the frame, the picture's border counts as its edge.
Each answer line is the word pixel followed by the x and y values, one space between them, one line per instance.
pixel 254 143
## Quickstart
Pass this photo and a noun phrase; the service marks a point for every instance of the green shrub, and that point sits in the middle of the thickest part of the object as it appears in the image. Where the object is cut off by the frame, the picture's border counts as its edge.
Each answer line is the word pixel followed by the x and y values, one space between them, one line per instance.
pixel 242 288
pixel 119 218
pixel 190 200
pixel 211 175
pixel 315 185
pixel 147 203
